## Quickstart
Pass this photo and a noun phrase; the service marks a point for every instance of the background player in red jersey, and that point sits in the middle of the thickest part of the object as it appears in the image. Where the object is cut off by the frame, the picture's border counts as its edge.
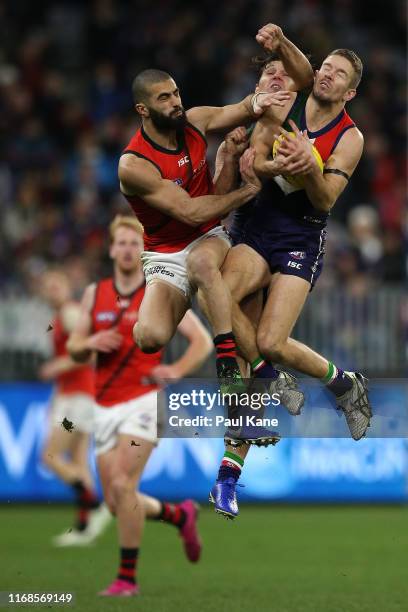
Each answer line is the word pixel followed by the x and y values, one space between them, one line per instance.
pixel 165 177
pixel 126 398
pixel 66 452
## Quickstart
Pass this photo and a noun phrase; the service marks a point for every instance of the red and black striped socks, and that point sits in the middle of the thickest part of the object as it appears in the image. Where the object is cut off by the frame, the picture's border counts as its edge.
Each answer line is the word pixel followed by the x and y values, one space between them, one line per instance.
pixel 226 355
pixel 128 563
pixel 86 501
pixel 225 346
pixel 172 514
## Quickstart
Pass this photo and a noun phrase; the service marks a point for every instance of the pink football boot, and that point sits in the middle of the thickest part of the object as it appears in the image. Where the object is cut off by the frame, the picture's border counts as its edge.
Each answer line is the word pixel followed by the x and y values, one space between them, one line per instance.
pixel 120 588
pixel 188 532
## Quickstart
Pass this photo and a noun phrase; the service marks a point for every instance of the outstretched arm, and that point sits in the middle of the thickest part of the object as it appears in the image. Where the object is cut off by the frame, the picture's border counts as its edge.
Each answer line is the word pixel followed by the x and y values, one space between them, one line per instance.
pixel 139 177
pixel 199 348
pixel 222 118
pixel 296 64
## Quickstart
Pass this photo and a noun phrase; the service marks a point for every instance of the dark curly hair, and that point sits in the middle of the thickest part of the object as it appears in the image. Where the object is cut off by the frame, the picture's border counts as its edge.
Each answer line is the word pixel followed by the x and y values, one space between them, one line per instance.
pixel 259 62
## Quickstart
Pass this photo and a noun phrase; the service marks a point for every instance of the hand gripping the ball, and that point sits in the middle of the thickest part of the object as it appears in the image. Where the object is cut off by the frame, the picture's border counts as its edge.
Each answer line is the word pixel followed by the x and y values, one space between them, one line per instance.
pixel 296 154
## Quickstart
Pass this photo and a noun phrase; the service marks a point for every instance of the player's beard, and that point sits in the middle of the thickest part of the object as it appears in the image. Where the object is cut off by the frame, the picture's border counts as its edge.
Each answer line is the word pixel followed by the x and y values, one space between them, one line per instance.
pixel 167 122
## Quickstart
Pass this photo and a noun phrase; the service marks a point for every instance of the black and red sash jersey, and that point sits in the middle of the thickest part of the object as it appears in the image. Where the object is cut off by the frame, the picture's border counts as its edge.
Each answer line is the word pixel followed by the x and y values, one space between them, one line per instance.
pixel 123 374
pixel 292 200
pixel 187 167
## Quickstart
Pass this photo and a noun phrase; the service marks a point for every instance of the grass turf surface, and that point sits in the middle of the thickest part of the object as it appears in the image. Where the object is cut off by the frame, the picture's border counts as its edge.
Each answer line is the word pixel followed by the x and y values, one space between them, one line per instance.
pixel 288 559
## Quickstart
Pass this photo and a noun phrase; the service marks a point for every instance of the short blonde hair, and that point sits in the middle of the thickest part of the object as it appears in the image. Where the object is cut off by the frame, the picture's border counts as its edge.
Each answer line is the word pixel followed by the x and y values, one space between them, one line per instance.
pixel 125 221
pixel 356 63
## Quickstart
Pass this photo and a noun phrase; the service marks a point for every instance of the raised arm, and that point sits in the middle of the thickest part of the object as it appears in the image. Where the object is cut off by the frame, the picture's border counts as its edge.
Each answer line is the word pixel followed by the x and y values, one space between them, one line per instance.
pixel 139 177
pixel 222 118
pixel 218 118
pixel 81 342
pixel 296 64
pixel 199 348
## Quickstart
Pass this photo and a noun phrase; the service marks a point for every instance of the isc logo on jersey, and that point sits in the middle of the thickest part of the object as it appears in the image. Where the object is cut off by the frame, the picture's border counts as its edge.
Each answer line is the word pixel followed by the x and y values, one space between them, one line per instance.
pixel 183 160
pixel 186 160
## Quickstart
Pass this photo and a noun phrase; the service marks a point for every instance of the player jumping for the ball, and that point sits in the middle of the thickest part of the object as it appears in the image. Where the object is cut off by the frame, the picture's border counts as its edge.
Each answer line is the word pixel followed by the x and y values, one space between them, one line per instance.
pixel 282 244
pixel 165 177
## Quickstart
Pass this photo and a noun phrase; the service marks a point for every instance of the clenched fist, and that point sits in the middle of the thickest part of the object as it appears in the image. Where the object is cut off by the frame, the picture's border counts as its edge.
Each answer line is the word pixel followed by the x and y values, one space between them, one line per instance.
pixel 270 37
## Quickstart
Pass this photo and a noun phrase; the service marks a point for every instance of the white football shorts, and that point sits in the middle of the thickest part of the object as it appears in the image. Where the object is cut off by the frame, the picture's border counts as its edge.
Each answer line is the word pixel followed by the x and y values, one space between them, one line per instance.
pixel 76 407
pixel 136 417
pixel 172 267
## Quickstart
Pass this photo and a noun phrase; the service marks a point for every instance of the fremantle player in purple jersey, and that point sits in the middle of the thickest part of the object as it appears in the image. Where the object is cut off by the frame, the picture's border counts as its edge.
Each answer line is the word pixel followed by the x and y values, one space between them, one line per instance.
pixel 281 245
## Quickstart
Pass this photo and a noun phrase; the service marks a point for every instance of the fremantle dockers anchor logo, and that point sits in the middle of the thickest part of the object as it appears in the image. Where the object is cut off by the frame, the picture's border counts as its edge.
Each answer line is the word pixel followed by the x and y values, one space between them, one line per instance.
pixel 298 255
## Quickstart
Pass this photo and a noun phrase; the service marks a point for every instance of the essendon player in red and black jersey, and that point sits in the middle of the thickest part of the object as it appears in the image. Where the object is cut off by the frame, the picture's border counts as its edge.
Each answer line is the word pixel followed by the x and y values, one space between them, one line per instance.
pixel 164 175
pixel 187 167
pixel 121 374
pixel 125 413
pixel 74 380
pixel 66 452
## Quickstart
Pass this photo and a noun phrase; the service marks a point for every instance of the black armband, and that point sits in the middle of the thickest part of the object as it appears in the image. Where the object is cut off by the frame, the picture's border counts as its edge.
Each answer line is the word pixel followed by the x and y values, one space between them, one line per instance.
pixel 336 171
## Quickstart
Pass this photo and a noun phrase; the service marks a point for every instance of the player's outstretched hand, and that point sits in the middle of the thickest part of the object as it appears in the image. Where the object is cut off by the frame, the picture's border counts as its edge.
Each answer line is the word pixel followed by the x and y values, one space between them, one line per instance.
pixel 105 341
pixel 246 168
pixel 236 142
pixel 269 37
pixel 264 99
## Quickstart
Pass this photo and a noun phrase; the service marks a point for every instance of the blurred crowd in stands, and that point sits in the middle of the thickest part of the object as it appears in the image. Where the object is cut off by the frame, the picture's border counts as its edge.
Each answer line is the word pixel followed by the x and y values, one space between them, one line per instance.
pixel 66 112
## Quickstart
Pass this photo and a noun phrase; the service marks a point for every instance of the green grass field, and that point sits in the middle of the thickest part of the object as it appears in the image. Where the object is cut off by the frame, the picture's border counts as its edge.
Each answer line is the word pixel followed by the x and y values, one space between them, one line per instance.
pixel 288 559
